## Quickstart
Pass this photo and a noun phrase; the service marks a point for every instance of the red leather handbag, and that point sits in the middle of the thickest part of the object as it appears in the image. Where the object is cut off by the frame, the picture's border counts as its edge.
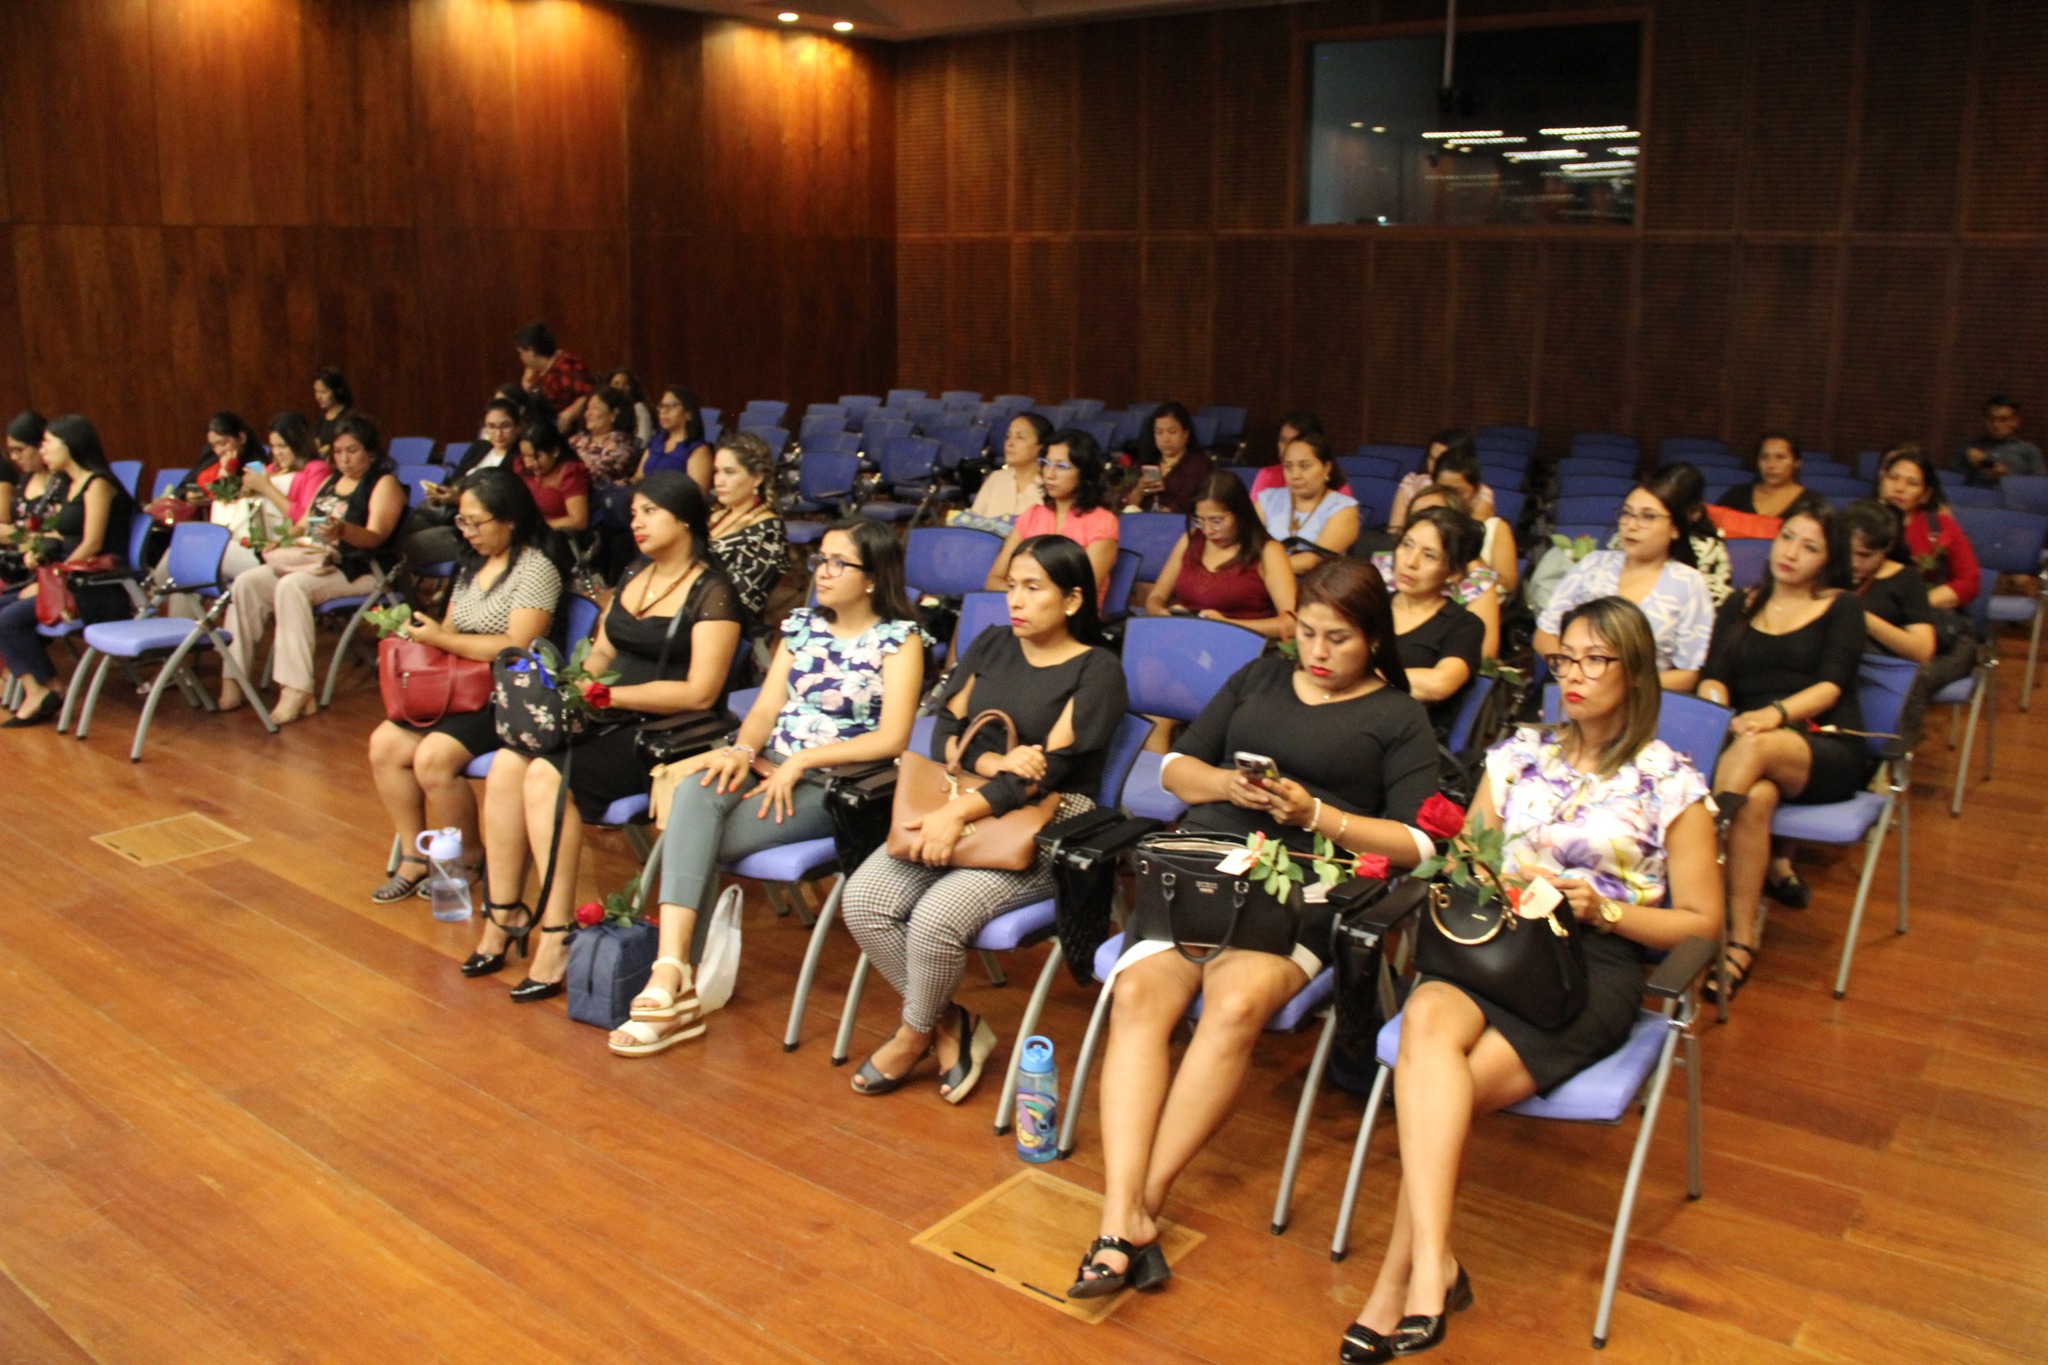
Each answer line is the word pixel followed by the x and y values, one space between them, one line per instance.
pixel 423 684
pixel 55 602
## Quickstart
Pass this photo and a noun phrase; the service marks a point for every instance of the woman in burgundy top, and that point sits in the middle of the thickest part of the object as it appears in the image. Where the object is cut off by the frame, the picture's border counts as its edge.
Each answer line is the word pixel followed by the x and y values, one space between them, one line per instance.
pixel 559 482
pixel 1933 540
pixel 1226 568
pixel 1167 448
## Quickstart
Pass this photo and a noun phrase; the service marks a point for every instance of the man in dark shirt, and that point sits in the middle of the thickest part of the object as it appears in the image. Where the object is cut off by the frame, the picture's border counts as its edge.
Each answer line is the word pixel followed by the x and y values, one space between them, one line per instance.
pixel 2000 451
pixel 558 378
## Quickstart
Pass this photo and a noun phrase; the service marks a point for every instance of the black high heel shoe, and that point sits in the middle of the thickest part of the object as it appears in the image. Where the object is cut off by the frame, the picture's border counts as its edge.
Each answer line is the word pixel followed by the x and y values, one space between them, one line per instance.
pixel 484 964
pixel 1420 1332
pixel 1145 1269
pixel 529 990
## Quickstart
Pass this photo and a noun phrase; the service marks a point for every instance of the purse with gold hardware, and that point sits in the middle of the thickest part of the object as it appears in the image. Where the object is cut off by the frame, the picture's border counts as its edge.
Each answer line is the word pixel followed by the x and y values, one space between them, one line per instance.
pixel 1534 966
pixel 1007 843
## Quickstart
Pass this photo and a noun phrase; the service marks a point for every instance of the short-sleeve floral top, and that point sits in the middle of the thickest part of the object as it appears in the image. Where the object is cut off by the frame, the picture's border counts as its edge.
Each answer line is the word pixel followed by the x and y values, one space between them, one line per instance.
pixel 835 685
pixel 1465 589
pixel 1612 830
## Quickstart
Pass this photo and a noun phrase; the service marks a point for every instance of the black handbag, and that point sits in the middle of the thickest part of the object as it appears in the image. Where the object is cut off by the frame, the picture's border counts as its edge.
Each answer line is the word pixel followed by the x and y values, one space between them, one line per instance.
pixel 1534 968
pixel 530 712
pixel 1182 899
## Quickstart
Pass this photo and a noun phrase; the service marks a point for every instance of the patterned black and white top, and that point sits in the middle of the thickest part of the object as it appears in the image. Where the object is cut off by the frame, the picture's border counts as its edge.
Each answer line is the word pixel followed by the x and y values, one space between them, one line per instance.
pixel 754 558
pixel 531 583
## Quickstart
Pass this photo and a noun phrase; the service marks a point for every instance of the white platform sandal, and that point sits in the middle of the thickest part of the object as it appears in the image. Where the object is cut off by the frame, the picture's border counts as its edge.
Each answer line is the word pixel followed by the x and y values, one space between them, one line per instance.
pixel 666 1004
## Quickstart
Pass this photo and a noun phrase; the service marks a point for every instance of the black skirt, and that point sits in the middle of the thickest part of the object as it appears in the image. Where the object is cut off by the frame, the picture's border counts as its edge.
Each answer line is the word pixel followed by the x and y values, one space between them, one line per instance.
pixel 1614 993
pixel 475 731
pixel 603 768
pixel 1842 765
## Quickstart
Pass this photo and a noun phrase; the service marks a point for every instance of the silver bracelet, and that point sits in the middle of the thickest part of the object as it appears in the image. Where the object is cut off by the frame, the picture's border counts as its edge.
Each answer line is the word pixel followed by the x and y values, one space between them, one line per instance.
pixel 737 748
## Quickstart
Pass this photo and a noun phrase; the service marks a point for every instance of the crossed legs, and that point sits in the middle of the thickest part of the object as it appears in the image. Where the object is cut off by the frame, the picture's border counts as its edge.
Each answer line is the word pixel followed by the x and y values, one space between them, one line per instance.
pixel 1769 768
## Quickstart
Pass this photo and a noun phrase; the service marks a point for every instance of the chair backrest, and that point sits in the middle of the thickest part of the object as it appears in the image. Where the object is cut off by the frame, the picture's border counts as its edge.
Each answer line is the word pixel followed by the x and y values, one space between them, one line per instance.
pixel 579 619
pixel 876 433
pixel 825 410
pixel 821 424
pixel 1124 747
pixel 1358 467
pixel 1582 440
pixel 979 611
pixel 833 443
pixel 1206 424
pixel 2022 492
pixel 1704 460
pixel 949 561
pixel 1057 414
pixel 1123 576
pixel 1173 665
pixel 1500 477
pixel 138 536
pixel 1406 459
pixel 1748 561
pixel 1229 420
pixel 765 407
pixel 1152 536
pixel 1693 727
pixel 961 398
pixel 1689 448
pixel 908 459
pixel 924 411
pixel 1966 496
pixel 853 403
pixel 1525 437
pixel 405 450
pixel 898 397
pixel 1883 680
pixel 127 473
pixel 1507 504
pixel 1247 473
pixel 776 439
pixel 1084 409
pixel 1593 506
pixel 822 474
pixel 1580 481
pixel 2005 541
pixel 1980 605
pixel 194 557
pixel 166 481
pixel 412 475
pixel 1460 737
pixel 1835 485
pixel 1104 432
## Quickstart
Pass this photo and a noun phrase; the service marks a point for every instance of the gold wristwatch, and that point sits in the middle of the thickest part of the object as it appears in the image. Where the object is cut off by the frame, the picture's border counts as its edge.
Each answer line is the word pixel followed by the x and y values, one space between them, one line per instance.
pixel 1610 913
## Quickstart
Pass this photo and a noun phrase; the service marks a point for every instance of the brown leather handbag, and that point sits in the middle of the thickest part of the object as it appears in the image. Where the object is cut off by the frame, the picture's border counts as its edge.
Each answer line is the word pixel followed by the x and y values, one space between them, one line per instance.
pixel 1006 843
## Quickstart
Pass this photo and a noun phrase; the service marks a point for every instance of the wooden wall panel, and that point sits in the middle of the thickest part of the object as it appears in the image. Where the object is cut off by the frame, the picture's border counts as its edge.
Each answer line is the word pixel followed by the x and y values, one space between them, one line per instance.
pixel 1493 333
pixel 465 153
pixel 1048 98
pixel 1697 111
pixel 978 114
pixel 670 328
pixel 373 324
pixel 1888 390
pixel 921 338
pixel 1582 384
pixel 468 327
pixel 1999 347
pixel 569 121
pixel 1796 154
pixel 1327 343
pixel 740 288
pixel 1179 115
pixel 243 306
pixel 1042 310
pixel 1916 62
pixel 230 110
pixel 1110 173
pixel 1107 317
pixel 1250 366
pixel 13 358
pixel 824 307
pixel 1253 119
pixel 359 152
pixel 96 332
pixel 665 118
pixel 79 149
pixel 1778 356
pixel 837 196
pixel 1681 357
pixel 1408 353
pixel 1174 338
pixel 578 281
pixel 921 160
pixel 978 315
pixel 743 86
pixel 2008 189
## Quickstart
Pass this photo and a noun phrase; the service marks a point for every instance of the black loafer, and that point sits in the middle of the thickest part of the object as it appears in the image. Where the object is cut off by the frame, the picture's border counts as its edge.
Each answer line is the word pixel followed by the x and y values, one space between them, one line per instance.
pixel 45 712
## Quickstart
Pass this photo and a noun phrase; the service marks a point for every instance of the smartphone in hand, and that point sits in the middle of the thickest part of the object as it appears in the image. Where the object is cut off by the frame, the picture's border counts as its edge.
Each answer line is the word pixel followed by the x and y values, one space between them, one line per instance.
pixel 1257 768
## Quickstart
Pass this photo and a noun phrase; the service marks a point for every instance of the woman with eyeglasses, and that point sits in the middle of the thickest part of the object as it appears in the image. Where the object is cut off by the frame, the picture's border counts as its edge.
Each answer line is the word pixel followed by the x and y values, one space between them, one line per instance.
pixel 505 596
pixel 1226 568
pixel 680 443
pixel 1654 569
pixel 842 688
pixel 1072 474
pixel 1786 657
pixel 431 537
pixel 1310 510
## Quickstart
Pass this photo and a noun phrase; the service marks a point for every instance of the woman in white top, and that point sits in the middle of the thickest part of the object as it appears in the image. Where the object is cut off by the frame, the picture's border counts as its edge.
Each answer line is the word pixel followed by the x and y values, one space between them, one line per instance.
pixel 1008 490
pixel 1457 470
pixel 1653 569
pixel 1450 442
pixel 1310 507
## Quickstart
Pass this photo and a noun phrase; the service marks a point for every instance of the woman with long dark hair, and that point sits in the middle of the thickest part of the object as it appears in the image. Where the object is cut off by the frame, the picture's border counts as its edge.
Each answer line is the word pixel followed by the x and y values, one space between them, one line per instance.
pixel 1933 541
pixel 1171 468
pixel 1073 479
pixel 29 493
pixel 1897 614
pixel 558 480
pixel 915 916
pixel 333 399
pixel 678 442
pixel 1452 441
pixel 1226 568
pixel 1356 760
pixel 505 596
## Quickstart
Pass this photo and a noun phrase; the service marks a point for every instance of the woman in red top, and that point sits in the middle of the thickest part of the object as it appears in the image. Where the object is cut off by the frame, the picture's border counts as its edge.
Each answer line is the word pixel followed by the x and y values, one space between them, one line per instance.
pixel 560 483
pixel 1226 568
pixel 1933 541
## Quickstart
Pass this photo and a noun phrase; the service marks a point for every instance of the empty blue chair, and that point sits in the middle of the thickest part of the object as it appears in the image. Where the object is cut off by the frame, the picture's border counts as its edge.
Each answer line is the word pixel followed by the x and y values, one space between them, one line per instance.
pixel 876 433
pixel 1173 665
pixel 167 481
pixel 1835 485
pixel 1966 496
pixel 767 408
pixel 2010 542
pixel 1507 503
pixel 1229 422
pixel 1575 482
pixel 855 403
pixel 832 443
pixel 405 450
pixel 1128 423
pixel 1600 507
pixel 1526 437
pixel 1057 414
pixel 1673 449
pixel 961 398
pixel 898 397
pixel 1404 458
pixel 910 469
pixel 949 561
pixel 414 476
pixel 1369 468
pixel 820 424
pixel 824 485
pixel 1206 425
pixel 1123 576
pixel 1103 432
pixel 1748 561
pixel 1494 452
pixel 1151 536
pixel 2021 492
pixel 128 473
pixel 979 611
pixel 924 412
pixel 1867 462
pixel 1084 409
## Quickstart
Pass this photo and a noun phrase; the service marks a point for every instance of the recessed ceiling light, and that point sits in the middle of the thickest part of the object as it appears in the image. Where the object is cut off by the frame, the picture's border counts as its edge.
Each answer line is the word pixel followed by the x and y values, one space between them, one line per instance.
pixel 788 16
pixel 843 26
pixel 1358 125
pixel 1379 127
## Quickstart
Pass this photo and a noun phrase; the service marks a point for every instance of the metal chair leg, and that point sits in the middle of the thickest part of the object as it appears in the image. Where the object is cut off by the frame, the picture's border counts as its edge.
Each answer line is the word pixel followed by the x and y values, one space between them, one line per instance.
pixel 1695 1184
pixel 996 975
pixel 1340 1240
pixel 1618 1246
pixel 240 676
pixel 92 696
pixel 86 662
pixel 1875 845
pixel 820 931
pixel 1905 809
pixel 850 1011
pixel 1033 1008
pixel 2033 651
pixel 1090 1041
pixel 1303 1112
pixel 1955 805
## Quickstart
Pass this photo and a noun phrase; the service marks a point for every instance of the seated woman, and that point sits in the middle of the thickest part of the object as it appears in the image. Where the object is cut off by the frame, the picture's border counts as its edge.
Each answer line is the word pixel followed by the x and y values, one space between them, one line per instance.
pixel 89 518
pixel 1171 470
pixel 1933 539
pixel 272 497
pixel 1311 507
pixel 1476 587
pixel 636 416
pixel 430 534
pixel 1293 427
pixel 1014 486
pixel 1896 612
pixel 29 494
pixel 1357 761
pixel 560 485
pixel 1450 442
pixel 1457 469
pixel 1683 491
pixel 333 400
pixel 1226 568
pixel 505 596
pixel 679 443
pixel 1653 569
pixel 916 917
pixel 1072 473
pixel 1786 653
pixel 606 443
pixel 1776 486
pixel 670 634
pixel 843 688
pixel 344 538
pixel 1614 819
pixel 1441 642
pixel 748 539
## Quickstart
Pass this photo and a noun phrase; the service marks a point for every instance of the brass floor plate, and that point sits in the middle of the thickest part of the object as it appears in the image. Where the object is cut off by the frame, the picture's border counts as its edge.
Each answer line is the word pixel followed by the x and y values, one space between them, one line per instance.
pixel 1027 1234
pixel 163 841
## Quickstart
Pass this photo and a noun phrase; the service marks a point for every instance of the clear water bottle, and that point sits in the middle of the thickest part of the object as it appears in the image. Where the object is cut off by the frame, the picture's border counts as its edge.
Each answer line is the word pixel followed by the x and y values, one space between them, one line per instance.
pixel 447 883
pixel 1038 1102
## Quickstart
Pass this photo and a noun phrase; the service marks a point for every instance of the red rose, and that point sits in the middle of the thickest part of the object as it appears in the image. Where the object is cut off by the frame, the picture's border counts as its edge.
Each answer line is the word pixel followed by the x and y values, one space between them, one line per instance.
pixel 1372 866
pixel 1441 817
pixel 589 913
pixel 597 694
pixel 33 523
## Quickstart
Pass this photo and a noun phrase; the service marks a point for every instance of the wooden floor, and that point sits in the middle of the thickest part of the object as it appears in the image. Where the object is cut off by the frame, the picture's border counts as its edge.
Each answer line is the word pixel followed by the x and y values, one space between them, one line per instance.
pixel 246 1115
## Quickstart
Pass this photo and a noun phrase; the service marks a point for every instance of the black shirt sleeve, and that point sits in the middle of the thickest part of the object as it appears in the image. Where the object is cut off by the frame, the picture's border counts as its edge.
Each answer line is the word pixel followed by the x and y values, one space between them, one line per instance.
pixel 1728 624
pixel 1842 656
pixel 1410 773
pixel 1900 600
pixel 1210 733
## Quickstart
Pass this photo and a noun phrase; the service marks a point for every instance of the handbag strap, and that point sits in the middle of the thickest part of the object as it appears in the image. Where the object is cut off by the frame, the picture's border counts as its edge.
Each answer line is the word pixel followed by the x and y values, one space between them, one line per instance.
pixel 1240 892
pixel 547 878
pixel 958 755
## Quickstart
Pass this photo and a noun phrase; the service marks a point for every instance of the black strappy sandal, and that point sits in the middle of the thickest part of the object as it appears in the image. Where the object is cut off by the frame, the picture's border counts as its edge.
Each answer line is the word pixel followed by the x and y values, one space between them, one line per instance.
pixel 484 964
pixel 1711 988
pixel 400 886
pixel 529 990
pixel 1145 1269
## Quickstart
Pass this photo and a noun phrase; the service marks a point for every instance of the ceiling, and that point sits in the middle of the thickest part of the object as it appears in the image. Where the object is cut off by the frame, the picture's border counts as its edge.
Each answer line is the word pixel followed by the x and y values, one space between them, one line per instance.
pixel 906 19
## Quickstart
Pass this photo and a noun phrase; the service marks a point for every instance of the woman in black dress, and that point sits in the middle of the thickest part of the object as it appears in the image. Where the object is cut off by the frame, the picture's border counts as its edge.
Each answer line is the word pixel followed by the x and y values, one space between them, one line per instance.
pixel 505 596
pixel 1786 653
pixel 670 634
pixel 1440 639
pixel 1357 760
pixel 1776 486
pixel 1897 613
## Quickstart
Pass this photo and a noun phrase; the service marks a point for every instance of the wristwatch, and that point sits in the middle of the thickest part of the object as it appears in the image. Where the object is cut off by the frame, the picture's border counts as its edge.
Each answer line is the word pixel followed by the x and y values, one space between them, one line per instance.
pixel 1610 913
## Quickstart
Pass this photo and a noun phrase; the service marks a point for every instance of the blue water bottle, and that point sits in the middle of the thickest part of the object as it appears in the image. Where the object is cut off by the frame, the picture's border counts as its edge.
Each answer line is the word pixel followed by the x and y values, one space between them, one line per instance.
pixel 1038 1102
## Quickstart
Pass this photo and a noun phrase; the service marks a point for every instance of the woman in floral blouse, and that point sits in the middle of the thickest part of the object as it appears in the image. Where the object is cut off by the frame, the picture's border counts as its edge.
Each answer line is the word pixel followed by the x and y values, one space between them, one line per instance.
pixel 843 688
pixel 747 537
pixel 1613 818
pixel 606 445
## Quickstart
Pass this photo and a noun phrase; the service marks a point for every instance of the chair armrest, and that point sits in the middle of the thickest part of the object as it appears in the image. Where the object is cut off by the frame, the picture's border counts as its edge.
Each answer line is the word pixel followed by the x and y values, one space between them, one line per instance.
pixel 1682 967
pixel 1094 836
pixel 1395 902
pixel 852 774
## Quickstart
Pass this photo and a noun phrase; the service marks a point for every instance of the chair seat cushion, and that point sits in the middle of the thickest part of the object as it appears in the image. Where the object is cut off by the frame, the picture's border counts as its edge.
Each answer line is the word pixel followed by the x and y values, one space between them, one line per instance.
pixel 1957 692
pixel 1601 1093
pixel 624 811
pixel 1841 822
pixel 2012 608
pixel 480 766
pixel 804 532
pixel 787 862
pixel 126 639
pixel 1014 928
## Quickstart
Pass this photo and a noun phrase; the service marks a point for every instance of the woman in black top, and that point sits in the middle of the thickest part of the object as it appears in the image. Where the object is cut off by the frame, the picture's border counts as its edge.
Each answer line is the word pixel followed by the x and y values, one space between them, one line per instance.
pixel 28 494
pixel 1785 655
pixel 916 917
pixel 1897 613
pixel 91 519
pixel 670 636
pixel 1776 486
pixel 1357 760
pixel 1440 640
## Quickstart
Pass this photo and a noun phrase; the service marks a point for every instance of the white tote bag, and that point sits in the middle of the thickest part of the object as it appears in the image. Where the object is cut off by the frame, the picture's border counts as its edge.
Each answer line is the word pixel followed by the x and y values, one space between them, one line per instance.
pixel 720 965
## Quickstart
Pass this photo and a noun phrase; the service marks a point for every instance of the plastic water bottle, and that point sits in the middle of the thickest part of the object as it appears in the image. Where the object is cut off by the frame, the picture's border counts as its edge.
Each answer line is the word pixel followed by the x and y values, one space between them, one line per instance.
pixel 447 884
pixel 1038 1102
